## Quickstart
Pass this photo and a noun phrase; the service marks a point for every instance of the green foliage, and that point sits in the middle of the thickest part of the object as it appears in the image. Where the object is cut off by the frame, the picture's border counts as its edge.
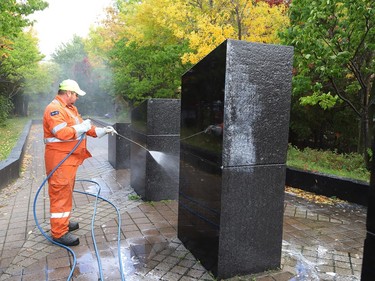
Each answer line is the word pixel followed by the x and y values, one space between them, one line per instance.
pixel 313 126
pixel 40 87
pixel 334 45
pixel 150 44
pixel 134 197
pixel 18 48
pixel 142 72
pixel 5 107
pixel 10 131
pixel 325 100
pixel 351 165
pixel 74 63
pixel 13 20
pixel 19 65
pixel 334 61
pixel 22 60
pixel 68 56
pixel 13 15
pixel 42 79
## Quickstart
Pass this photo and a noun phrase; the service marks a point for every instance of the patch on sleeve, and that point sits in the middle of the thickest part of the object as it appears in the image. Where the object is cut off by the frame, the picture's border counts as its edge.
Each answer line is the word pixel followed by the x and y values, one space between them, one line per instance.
pixel 53 113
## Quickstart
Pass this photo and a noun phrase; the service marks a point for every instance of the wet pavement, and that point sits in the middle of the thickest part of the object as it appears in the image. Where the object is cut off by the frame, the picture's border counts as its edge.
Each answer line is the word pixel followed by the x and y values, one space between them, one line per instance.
pixel 320 241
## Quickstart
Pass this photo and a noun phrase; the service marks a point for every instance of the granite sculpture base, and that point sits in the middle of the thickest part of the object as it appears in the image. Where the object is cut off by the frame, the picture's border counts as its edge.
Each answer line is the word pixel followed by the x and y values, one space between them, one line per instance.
pixel 119 148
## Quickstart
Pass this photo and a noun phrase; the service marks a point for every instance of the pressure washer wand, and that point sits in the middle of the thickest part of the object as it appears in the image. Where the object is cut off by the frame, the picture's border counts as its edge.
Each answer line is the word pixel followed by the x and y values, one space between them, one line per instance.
pixel 131 140
pixel 188 137
pixel 115 132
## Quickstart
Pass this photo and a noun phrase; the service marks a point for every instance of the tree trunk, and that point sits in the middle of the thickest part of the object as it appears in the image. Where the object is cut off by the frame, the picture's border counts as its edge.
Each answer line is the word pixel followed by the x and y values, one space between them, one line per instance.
pixel 21 104
pixel 370 133
pixel 365 136
pixel 367 123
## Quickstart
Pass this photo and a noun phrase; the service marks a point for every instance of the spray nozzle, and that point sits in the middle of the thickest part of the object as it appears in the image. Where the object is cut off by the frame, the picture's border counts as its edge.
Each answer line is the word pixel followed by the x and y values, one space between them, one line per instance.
pixel 110 130
pixel 114 132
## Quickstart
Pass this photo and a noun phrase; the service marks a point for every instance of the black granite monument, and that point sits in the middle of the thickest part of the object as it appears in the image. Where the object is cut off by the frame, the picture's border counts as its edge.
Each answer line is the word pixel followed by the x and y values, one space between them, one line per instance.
pixel 368 263
pixel 234 134
pixel 119 148
pixel 155 125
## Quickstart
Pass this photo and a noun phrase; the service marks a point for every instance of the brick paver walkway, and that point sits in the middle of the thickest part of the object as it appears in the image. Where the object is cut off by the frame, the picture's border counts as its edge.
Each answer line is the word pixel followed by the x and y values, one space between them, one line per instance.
pixel 320 242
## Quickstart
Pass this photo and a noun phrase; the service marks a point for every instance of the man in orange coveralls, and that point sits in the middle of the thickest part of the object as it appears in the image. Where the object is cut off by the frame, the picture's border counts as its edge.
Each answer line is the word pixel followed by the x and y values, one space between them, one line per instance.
pixel 63 128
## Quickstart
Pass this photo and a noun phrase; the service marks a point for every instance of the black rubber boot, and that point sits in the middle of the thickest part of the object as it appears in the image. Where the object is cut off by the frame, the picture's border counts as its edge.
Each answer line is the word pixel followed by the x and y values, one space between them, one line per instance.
pixel 73 225
pixel 67 239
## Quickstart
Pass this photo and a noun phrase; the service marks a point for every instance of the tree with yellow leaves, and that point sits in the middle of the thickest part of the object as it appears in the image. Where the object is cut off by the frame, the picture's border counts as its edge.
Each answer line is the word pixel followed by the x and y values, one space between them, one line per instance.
pixel 171 35
pixel 236 19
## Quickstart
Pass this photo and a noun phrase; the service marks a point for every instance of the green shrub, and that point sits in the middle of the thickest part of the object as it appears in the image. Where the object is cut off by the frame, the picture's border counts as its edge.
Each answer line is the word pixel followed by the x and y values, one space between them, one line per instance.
pixel 5 107
pixel 350 165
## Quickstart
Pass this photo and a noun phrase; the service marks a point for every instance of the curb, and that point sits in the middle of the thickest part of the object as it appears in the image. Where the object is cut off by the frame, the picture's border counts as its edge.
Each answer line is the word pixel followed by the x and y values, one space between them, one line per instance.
pixel 350 190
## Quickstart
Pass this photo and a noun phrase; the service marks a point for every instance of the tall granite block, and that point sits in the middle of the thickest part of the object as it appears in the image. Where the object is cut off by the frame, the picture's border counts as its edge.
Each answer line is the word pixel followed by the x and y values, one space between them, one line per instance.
pixel 119 148
pixel 235 107
pixel 155 127
pixel 368 263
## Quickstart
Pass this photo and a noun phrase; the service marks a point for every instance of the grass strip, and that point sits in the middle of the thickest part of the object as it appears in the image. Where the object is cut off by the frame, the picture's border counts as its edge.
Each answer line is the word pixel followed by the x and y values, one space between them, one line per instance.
pixel 9 134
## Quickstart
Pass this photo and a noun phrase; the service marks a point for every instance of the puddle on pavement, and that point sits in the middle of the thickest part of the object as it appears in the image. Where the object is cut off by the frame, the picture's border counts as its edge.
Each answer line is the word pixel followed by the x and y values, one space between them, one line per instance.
pixel 135 257
pixel 305 269
pixel 93 189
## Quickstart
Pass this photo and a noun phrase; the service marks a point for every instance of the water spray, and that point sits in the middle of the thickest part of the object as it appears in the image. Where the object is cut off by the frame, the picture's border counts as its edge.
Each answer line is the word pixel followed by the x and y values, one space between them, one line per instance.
pixel 157 155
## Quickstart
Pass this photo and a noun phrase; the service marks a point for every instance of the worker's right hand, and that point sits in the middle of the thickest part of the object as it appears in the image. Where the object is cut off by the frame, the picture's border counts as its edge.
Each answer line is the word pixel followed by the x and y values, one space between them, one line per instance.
pixel 208 129
pixel 110 130
pixel 83 127
pixel 216 130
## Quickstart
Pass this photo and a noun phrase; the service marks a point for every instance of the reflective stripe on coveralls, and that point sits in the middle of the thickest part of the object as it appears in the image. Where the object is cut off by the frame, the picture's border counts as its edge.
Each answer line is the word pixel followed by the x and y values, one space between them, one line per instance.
pixel 48 140
pixel 59 127
pixel 60 215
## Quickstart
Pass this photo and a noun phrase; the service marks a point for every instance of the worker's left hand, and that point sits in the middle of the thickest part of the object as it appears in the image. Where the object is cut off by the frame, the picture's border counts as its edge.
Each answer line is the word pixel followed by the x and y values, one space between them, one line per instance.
pixel 100 132
pixel 110 130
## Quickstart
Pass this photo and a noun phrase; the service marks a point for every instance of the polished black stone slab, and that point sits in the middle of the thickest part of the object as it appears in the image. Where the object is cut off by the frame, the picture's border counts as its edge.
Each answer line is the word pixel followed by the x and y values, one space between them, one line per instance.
pixel 154 162
pixel 119 148
pixel 234 132
pixel 368 262
pixel 200 207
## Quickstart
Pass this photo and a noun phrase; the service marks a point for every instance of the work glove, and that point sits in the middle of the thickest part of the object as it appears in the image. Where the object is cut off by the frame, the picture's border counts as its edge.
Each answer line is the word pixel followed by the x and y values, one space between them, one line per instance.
pixel 208 129
pixel 83 127
pixel 216 130
pixel 103 131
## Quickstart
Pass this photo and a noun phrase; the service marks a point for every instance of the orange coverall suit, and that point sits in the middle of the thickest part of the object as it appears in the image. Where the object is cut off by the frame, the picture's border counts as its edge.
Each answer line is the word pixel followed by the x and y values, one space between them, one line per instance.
pixel 60 138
